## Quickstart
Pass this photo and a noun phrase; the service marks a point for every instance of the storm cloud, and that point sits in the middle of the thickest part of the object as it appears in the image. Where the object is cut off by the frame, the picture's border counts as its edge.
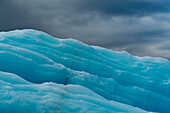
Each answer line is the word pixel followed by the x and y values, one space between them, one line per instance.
pixel 141 27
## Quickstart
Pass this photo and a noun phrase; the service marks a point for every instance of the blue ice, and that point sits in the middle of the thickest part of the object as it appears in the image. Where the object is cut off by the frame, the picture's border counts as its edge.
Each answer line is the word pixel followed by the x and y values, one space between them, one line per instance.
pixel 43 74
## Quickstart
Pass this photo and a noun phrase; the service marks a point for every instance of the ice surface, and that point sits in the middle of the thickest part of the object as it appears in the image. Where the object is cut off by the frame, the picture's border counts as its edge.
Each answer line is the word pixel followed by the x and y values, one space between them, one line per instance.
pixel 34 64
pixel 20 96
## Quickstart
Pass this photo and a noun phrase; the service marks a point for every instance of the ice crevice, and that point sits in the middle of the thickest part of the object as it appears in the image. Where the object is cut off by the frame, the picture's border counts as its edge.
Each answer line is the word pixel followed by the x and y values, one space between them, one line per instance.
pixel 93 78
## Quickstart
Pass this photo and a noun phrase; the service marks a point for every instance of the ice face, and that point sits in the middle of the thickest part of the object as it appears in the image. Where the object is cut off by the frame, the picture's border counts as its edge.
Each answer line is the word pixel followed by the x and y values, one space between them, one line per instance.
pixel 34 64
pixel 21 96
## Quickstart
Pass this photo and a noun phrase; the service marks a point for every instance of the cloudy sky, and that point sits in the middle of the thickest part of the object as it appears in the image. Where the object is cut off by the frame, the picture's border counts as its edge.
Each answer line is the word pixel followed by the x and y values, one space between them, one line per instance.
pixel 141 27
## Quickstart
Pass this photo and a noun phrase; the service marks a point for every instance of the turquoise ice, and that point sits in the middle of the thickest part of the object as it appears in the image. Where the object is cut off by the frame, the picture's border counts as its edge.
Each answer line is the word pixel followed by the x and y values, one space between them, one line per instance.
pixel 43 74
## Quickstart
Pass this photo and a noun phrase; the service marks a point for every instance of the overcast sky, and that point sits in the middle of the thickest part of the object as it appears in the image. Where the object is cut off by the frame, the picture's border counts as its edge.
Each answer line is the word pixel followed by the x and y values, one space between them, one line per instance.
pixel 141 27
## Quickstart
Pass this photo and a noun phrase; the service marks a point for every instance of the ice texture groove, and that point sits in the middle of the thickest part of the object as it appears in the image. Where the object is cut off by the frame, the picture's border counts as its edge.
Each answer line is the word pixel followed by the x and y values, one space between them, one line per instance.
pixel 34 60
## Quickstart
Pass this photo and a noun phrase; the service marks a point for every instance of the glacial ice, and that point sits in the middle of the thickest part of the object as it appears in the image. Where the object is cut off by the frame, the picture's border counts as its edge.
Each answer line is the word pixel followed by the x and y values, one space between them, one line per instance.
pixel 40 73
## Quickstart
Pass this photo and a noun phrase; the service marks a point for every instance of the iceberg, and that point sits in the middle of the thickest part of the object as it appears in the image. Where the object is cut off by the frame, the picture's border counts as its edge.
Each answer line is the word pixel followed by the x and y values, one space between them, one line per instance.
pixel 43 74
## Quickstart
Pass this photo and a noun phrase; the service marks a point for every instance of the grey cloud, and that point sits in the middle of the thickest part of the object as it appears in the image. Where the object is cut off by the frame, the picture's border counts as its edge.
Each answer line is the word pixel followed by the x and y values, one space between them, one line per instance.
pixel 139 26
